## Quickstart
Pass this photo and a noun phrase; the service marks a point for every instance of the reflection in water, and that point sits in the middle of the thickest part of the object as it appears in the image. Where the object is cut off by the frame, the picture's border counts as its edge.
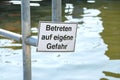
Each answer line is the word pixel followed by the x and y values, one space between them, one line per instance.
pixel 90 42
pixel 4 43
pixel 90 12
pixel 91 1
pixel 19 3
pixel 88 62
pixel 89 29
pixel 69 8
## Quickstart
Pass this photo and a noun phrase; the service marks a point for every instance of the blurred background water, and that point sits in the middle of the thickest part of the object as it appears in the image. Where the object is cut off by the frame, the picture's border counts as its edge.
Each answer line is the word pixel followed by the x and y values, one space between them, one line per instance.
pixel 97 50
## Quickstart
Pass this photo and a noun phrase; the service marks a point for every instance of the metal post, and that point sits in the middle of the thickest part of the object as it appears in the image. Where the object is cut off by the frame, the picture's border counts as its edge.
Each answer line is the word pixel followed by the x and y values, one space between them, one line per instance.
pixel 56 10
pixel 26 32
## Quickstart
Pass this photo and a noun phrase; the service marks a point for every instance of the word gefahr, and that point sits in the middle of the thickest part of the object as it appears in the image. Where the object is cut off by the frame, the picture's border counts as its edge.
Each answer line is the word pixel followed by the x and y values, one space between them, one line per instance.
pixel 58 28
pixel 56 46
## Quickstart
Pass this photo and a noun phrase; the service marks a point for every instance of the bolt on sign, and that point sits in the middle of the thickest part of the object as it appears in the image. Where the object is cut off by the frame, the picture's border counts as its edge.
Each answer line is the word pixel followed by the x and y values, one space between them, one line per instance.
pixel 57 37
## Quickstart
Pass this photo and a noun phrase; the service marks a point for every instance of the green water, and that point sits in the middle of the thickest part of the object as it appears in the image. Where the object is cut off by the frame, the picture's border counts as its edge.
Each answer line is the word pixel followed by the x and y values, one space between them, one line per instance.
pixel 111 35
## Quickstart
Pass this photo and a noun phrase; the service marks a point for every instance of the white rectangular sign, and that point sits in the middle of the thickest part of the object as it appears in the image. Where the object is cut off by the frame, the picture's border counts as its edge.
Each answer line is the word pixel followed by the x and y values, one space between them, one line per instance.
pixel 56 36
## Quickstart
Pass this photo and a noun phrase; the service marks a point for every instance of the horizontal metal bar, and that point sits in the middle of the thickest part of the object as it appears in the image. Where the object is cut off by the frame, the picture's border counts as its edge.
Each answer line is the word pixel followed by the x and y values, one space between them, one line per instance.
pixel 32 41
pixel 11 35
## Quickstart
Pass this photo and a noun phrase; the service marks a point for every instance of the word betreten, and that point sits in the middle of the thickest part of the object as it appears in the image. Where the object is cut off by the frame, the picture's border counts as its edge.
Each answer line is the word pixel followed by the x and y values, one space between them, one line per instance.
pixel 58 28
pixel 56 46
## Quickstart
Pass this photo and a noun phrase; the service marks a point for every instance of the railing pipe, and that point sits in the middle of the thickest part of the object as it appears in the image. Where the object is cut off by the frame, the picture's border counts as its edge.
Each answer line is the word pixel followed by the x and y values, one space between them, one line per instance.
pixel 32 41
pixel 26 32
pixel 56 11
pixel 11 35
pixel 17 37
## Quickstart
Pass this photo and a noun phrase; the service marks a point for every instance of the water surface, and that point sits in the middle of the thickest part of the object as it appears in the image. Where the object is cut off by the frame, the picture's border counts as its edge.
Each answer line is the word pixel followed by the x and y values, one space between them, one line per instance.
pixel 97 53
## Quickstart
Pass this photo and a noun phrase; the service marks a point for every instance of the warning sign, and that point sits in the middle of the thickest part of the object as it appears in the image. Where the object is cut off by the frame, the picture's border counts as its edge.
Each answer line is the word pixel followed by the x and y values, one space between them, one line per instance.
pixel 56 36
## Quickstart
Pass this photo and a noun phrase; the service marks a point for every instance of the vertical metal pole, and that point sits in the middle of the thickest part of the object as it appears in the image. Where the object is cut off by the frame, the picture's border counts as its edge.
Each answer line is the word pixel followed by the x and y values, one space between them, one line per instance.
pixel 26 32
pixel 56 10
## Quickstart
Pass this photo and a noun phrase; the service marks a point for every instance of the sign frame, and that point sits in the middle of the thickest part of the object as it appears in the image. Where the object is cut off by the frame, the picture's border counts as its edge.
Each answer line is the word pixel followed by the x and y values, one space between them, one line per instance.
pixel 50 35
